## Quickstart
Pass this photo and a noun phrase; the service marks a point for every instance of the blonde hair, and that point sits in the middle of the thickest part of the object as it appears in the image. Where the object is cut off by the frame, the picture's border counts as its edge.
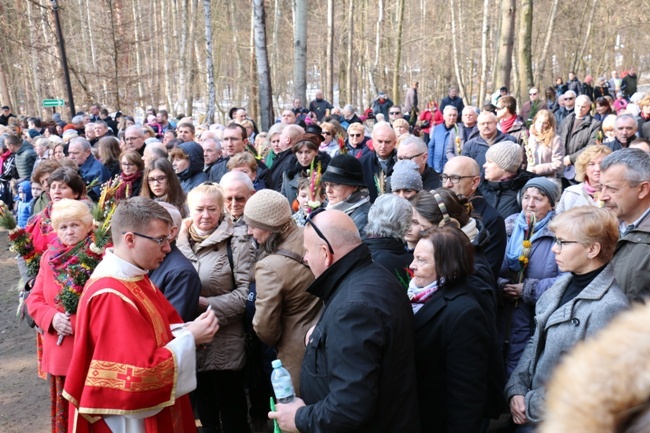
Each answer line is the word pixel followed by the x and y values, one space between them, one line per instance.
pixel 356 127
pixel 242 159
pixel 609 124
pixel 70 210
pixel 590 152
pixel 209 189
pixel 590 225
pixel 545 137
pixel 400 122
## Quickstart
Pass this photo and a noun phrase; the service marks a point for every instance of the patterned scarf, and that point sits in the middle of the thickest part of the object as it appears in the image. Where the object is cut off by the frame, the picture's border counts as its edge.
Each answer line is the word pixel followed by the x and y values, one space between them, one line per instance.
pixel 127 181
pixel 420 295
pixel 69 271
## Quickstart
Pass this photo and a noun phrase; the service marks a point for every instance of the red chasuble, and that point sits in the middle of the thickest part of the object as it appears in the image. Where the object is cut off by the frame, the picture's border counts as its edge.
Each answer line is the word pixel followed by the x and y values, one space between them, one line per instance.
pixel 120 365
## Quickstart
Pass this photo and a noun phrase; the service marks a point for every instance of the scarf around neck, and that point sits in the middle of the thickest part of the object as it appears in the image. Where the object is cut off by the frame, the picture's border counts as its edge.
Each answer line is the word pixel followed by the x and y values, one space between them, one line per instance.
pixel 515 243
pixel 420 295
pixel 127 181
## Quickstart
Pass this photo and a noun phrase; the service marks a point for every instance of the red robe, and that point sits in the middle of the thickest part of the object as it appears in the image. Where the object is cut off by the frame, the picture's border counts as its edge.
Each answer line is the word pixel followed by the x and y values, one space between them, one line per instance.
pixel 120 365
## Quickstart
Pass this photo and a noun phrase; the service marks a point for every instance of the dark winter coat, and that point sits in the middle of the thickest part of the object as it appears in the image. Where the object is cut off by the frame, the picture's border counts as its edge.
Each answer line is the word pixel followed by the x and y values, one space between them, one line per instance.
pixel 193 176
pixel 478 146
pixel 282 162
pixel 583 136
pixel 372 171
pixel 293 175
pixel 504 196
pixel 391 254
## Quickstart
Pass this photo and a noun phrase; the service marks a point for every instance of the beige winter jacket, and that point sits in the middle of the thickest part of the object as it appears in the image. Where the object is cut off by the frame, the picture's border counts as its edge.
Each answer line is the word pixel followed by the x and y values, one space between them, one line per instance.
pixel 225 289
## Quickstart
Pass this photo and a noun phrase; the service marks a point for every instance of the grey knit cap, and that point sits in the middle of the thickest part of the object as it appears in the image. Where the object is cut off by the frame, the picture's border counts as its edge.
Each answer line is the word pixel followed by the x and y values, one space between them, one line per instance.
pixel 506 154
pixel 406 175
pixel 550 189
pixel 268 210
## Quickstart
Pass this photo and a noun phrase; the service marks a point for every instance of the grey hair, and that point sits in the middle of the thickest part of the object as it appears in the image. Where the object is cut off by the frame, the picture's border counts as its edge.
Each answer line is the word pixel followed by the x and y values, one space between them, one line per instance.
pixel 349 108
pixel 389 217
pixel 627 116
pixel 419 144
pixel 78 119
pixel 471 107
pixel 275 129
pixel 217 143
pixel 85 144
pixel 451 107
pixel 237 176
pixel 582 98
pixel 636 161
pixel 135 128
pixel 101 123
pixel 569 93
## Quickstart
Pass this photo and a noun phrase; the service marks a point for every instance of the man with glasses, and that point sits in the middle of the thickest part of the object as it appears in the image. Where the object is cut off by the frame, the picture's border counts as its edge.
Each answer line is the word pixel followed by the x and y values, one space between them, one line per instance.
pixel 531 107
pixel 577 131
pixel 358 372
pixel 394 113
pixel 134 139
pixel 439 136
pixel 489 135
pixel 568 101
pixel 237 189
pixel 416 150
pixel 134 360
pixel 462 176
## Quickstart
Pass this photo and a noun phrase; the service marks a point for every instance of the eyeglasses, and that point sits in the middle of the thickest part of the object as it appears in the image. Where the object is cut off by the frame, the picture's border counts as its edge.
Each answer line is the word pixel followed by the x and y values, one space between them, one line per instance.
pixel 569 99
pixel 402 158
pixel 326 133
pixel 159 179
pixel 454 178
pixel 320 234
pixel 395 112
pixel 127 164
pixel 354 135
pixel 560 243
pixel 160 241
pixel 235 199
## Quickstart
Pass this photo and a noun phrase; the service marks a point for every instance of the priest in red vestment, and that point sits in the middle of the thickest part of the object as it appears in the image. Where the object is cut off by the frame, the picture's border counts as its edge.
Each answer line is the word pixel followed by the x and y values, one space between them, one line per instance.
pixel 134 358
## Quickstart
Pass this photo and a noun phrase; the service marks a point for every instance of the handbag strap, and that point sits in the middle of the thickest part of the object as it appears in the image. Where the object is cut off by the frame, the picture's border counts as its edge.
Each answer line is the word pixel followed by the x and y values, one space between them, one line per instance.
pixel 291 255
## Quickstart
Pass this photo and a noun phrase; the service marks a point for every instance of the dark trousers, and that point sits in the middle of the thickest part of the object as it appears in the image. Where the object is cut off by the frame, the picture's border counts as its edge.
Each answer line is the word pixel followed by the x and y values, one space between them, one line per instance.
pixel 221 401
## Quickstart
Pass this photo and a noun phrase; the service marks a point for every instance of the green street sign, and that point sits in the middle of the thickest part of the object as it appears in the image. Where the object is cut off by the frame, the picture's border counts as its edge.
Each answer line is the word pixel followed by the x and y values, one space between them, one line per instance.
pixel 53 103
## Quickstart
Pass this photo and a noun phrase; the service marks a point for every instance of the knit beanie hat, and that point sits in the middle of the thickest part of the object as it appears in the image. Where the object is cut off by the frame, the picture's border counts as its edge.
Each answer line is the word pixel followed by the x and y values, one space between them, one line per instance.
pixel 507 155
pixel 547 186
pixel 406 175
pixel 268 210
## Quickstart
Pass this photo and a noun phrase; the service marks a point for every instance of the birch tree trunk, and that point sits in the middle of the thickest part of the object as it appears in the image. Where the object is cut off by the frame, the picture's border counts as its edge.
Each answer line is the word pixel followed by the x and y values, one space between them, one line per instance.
pixel 181 102
pixel 587 37
pixel 482 89
pixel 263 69
pixel 209 66
pixel 506 43
pixel 373 76
pixel 300 51
pixel 329 86
pixel 541 65
pixel 524 51
pixel 253 100
pixel 454 44
pixel 398 51
pixel 348 73
pixel 137 41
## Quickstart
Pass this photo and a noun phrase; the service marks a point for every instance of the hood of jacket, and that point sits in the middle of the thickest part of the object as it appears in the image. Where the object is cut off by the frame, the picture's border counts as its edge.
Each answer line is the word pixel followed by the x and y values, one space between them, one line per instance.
pixel 195 153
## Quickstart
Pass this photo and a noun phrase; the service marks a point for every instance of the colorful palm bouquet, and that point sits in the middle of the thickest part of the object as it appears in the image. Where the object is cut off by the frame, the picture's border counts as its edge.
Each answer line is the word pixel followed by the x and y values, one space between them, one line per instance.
pixel 526 244
pixel 20 241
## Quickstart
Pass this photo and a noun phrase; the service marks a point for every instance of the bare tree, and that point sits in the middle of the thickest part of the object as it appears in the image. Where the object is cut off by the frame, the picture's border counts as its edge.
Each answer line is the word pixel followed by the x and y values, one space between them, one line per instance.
pixel 484 50
pixel 524 52
pixel 209 66
pixel 329 63
pixel 398 50
pixel 506 42
pixel 263 72
pixel 300 51
pixel 541 65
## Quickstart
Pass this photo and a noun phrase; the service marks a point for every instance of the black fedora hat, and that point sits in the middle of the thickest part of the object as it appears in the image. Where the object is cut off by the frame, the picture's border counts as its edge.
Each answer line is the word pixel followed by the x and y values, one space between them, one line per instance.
pixel 344 169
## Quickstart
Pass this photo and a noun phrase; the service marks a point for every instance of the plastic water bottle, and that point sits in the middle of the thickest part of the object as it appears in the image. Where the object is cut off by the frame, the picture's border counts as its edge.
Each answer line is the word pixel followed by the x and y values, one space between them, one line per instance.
pixel 281 381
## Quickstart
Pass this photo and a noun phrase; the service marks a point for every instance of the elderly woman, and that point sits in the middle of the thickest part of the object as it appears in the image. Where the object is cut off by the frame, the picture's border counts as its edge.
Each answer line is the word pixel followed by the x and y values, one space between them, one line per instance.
pixel 131 175
pixel 523 282
pixel 574 308
pixel 223 258
pixel 273 138
pixel 452 341
pixel 389 219
pixel 588 173
pixel 63 183
pixel 545 150
pixel 345 189
pixel 162 184
pixel 401 127
pixel 306 151
pixel 284 311
pixel 356 142
pixel 61 277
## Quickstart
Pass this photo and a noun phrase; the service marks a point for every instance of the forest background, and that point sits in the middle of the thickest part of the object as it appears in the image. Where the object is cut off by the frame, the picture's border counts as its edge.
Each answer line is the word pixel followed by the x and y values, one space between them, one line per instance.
pixel 201 57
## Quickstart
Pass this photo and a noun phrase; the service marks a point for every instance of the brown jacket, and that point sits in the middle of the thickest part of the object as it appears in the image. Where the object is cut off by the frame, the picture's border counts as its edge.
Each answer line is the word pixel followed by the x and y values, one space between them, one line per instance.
pixel 228 300
pixel 284 311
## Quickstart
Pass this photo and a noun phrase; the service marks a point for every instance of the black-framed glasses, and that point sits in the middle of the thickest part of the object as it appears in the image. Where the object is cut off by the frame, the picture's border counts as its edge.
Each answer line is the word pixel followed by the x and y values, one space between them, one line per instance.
pixel 160 241
pixel 127 164
pixel 159 179
pixel 561 243
pixel 355 135
pixel 320 234
pixel 326 133
pixel 454 178
pixel 395 112
pixel 402 158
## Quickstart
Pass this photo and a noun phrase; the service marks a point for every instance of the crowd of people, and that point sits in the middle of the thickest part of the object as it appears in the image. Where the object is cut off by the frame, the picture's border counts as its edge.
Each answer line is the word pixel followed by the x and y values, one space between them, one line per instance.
pixel 414 270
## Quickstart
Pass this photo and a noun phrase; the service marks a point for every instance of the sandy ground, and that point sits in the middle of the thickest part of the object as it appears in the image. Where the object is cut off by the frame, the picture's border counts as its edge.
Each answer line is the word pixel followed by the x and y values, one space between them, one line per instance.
pixel 24 397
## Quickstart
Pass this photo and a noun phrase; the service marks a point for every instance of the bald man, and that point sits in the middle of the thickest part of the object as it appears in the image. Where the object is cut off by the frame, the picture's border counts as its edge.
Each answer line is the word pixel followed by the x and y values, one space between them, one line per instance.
pixel 462 175
pixel 153 151
pixel 378 164
pixel 349 378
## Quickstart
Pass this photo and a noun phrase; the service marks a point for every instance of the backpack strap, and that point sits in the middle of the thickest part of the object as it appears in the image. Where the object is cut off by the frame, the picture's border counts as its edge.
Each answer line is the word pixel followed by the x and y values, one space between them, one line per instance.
pixel 291 255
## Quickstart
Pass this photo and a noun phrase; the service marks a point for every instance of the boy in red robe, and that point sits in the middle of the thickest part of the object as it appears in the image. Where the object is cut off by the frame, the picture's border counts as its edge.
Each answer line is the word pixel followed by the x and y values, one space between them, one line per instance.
pixel 134 358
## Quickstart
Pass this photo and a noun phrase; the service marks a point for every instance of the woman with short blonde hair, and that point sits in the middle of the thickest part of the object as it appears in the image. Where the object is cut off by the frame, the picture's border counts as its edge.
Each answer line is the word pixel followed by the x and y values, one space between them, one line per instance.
pixel 588 173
